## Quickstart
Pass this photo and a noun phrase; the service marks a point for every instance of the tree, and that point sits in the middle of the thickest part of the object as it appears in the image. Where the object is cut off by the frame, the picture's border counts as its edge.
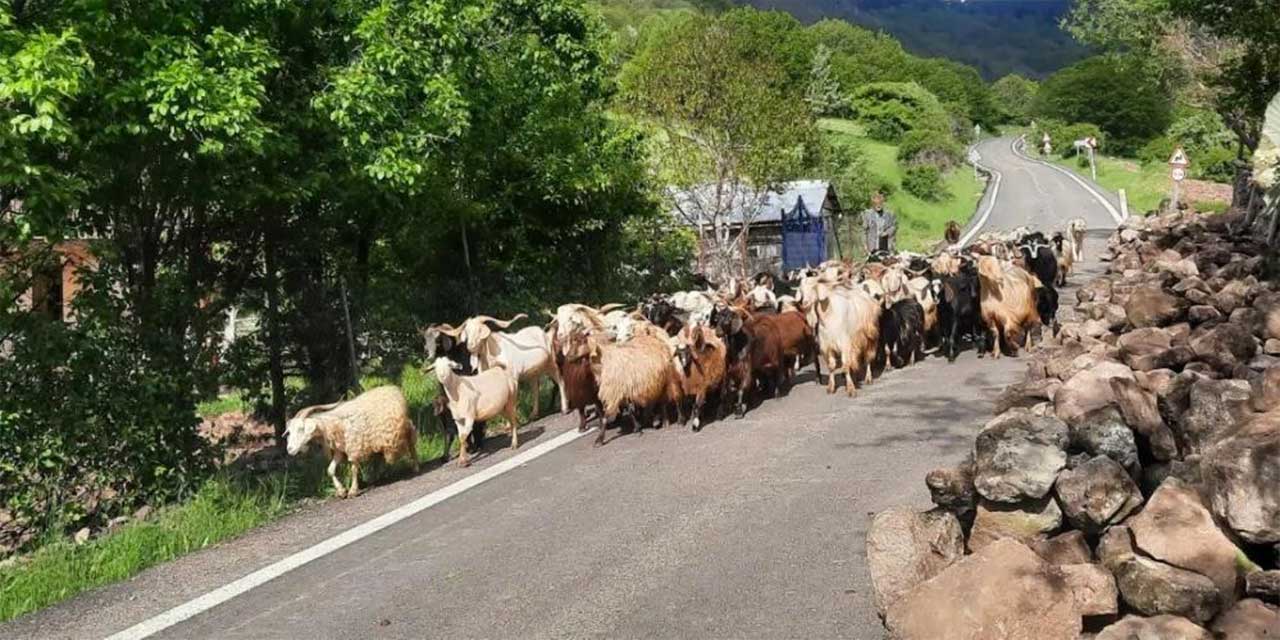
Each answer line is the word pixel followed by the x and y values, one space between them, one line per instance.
pixel 731 130
pixel 1014 97
pixel 823 92
pixel 1117 95
pixel 890 110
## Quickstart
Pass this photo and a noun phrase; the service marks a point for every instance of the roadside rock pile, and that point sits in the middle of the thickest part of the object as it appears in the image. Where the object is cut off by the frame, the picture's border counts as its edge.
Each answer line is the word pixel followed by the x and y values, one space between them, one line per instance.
pixel 1129 487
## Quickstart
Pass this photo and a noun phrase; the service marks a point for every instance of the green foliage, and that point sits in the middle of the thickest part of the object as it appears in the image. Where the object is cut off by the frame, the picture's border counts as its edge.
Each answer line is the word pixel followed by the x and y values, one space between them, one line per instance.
pixel 924 181
pixel 1120 97
pixel 1063 135
pixel 1014 97
pixel 892 109
pixel 958 86
pixel 823 91
pixel 930 146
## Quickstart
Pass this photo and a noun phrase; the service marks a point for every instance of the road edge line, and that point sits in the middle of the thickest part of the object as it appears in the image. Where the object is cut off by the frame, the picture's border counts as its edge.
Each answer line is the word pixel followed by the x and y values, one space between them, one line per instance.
pixel 1115 215
pixel 994 186
pixel 272 571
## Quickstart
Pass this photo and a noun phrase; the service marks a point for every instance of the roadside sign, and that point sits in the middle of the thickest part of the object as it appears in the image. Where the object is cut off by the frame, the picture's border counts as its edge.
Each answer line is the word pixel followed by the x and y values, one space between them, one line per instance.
pixel 1179 174
pixel 1179 158
pixel 1178 164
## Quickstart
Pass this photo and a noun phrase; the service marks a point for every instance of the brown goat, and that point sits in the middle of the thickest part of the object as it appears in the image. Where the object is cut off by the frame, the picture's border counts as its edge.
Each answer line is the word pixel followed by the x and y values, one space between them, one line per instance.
pixel 700 355
pixel 795 336
pixel 1008 302
pixel 580 387
pixel 952 232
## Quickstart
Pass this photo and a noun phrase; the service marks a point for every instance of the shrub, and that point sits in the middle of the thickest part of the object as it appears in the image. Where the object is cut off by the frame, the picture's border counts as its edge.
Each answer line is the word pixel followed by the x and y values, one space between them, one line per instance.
pixel 924 181
pixel 890 110
pixel 928 146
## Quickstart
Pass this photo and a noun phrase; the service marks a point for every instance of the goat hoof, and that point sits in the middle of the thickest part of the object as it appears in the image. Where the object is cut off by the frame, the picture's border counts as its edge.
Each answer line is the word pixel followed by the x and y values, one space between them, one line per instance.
pixel 340 493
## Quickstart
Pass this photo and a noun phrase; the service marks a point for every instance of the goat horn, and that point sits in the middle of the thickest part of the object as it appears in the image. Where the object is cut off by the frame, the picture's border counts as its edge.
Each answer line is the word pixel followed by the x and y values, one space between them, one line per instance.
pixel 610 307
pixel 449 330
pixel 502 324
pixel 307 411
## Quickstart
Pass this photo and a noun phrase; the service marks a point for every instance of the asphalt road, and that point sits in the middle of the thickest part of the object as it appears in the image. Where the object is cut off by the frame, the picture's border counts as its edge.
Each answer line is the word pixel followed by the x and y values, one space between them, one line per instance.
pixel 752 528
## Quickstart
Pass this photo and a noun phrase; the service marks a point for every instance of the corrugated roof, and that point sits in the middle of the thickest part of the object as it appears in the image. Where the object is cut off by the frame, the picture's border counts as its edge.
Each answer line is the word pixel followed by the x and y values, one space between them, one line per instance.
pixel 770 209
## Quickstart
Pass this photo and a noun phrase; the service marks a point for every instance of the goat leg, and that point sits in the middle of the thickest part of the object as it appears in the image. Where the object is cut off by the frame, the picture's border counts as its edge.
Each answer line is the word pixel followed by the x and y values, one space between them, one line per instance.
pixel 582 419
pixel 355 480
pixel 698 401
pixel 463 459
pixel 338 489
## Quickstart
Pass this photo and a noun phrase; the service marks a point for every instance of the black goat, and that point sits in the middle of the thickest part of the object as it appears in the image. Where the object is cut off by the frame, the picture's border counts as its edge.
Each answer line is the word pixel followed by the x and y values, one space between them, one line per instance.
pixel 1047 306
pixel 662 313
pixel 1040 260
pixel 902 333
pixel 958 311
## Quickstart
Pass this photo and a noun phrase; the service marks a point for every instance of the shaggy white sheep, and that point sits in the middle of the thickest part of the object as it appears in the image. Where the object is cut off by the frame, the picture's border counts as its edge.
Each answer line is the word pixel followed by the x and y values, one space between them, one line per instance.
pixel 376 421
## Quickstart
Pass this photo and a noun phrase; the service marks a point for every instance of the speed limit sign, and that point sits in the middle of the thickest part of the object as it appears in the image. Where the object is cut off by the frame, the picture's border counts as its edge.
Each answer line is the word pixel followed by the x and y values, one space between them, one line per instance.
pixel 1179 174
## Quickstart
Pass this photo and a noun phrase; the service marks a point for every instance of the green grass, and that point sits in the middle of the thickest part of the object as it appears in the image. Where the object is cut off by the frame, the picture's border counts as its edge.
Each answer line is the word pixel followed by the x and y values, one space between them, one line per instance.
pixel 227 505
pixel 227 403
pixel 920 222
pixel 1144 186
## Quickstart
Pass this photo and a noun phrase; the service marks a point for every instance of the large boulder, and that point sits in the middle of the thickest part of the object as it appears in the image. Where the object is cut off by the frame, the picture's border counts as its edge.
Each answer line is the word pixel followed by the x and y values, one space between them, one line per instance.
pixel 1097 494
pixel 905 548
pixel 1215 408
pixel 1231 297
pixel 1242 480
pixel 951 488
pixel 1094 589
pixel 1026 522
pixel 1225 346
pixel 1152 587
pixel 1004 591
pixel 1164 627
pixel 1151 306
pixel 1138 407
pixel 1017 455
pixel 1063 549
pixel 1103 432
pixel 1199 314
pixel 1060 363
pixel 1266 390
pixel 1088 390
pixel 1176 528
pixel 1248 620
pixel 1144 349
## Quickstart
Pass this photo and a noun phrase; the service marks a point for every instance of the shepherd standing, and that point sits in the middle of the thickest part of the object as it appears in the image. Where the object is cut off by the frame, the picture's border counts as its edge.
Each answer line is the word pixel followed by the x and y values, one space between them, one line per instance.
pixel 881 227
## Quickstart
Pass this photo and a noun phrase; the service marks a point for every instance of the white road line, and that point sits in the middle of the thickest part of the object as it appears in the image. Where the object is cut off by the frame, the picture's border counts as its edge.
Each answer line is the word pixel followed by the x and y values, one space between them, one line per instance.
pixel 982 219
pixel 270 572
pixel 1098 196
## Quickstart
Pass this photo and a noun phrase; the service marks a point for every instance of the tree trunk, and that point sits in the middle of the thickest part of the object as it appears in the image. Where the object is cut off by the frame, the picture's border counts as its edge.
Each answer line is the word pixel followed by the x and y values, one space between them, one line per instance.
pixel 275 349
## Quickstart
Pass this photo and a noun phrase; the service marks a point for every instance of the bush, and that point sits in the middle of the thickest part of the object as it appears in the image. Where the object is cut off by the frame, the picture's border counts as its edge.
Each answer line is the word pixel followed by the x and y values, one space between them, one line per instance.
pixel 1217 164
pixel 924 181
pixel 890 110
pixel 94 418
pixel 1119 94
pixel 928 146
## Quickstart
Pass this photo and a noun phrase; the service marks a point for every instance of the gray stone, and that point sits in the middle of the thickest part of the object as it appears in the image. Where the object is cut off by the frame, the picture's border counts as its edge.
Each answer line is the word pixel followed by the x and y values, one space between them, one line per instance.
pixel 1017 455
pixel 1094 589
pixel 1024 395
pixel 1138 407
pixel 1215 409
pixel 1144 349
pixel 1242 476
pixel 1088 390
pixel 1149 306
pixel 1224 346
pixel 1202 313
pixel 905 548
pixel 1097 494
pixel 1103 432
pixel 1263 584
pixel 1152 587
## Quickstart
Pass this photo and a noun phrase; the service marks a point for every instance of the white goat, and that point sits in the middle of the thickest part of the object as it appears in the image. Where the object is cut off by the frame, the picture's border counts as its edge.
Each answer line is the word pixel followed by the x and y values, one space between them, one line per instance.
pixel 527 353
pixel 484 396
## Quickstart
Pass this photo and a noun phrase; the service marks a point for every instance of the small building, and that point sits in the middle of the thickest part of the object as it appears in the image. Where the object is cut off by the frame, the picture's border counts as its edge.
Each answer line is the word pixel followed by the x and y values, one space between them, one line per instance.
pixel 789 228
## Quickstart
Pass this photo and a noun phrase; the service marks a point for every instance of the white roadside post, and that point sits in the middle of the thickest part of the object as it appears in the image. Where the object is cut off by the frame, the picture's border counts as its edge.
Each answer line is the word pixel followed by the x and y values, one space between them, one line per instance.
pixel 1178 165
pixel 1093 166
pixel 974 158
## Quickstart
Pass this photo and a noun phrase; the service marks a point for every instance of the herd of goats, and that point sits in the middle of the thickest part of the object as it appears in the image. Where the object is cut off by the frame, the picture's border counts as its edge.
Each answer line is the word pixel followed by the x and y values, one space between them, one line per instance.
pixel 672 354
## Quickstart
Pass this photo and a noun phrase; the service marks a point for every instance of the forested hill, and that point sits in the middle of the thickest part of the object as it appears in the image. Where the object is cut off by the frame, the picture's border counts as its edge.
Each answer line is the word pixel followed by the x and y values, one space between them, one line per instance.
pixel 997 37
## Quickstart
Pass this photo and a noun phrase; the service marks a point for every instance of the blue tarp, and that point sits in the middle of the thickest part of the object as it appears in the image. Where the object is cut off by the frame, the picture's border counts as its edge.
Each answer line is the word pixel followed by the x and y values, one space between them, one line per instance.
pixel 804 238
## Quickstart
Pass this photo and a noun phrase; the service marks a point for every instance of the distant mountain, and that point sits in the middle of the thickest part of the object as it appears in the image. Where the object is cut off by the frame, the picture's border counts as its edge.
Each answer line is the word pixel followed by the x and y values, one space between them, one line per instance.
pixel 995 36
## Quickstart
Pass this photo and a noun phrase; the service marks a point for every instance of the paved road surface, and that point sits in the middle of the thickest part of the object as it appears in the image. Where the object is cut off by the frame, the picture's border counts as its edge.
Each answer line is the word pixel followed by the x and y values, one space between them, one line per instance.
pixel 752 528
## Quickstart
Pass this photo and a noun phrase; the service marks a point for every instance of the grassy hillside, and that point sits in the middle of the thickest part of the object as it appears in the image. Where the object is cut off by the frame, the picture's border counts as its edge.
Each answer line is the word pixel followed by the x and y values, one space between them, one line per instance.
pixel 920 223
pixel 1145 185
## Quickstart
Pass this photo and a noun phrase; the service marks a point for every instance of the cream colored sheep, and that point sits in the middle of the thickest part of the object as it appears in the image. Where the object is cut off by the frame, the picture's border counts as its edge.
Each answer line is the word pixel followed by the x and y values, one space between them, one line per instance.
pixel 376 421
pixel 484 396
pixel 639 373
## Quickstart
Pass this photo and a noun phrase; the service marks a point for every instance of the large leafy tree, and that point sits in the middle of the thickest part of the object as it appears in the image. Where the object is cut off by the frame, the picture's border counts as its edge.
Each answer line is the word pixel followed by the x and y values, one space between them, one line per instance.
pixel 1115 93
pixel 732 125
pixel 1014 97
